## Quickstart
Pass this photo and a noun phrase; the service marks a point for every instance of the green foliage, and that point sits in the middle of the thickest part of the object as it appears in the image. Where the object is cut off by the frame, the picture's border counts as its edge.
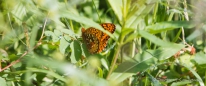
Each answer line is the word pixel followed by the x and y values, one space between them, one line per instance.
pixel 156 42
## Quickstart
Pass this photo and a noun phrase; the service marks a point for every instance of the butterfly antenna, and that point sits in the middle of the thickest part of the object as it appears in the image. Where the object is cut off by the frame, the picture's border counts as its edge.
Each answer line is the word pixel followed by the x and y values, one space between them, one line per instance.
pixel 96 10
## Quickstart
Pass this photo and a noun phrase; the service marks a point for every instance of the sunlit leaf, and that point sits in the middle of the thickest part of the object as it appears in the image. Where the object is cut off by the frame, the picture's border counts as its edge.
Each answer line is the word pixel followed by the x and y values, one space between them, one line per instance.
pixel 163 53
pixel 76 51
pixel 64 43
pixel 116 5
pixel 200 58
pixel 156 40
pixel 2 82
pixel 170 25
pixel 181 82
pixel 127 68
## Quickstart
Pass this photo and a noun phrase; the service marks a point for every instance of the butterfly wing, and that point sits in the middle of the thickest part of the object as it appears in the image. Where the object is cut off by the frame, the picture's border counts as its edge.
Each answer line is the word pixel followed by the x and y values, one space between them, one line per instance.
pixel 95 39
pixel 109 27
pixel 91 37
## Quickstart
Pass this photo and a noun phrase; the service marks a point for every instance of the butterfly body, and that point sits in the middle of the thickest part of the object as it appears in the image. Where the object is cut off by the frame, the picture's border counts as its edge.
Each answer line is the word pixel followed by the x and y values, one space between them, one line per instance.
pixel 95 39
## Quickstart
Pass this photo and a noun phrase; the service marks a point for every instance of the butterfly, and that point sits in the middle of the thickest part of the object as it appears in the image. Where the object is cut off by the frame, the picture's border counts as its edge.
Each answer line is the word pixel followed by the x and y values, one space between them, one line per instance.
pixel 95 39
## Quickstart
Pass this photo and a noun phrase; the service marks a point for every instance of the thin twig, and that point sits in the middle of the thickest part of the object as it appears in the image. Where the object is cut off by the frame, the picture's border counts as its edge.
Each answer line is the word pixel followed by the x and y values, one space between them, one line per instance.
pixel 38 43
pixel 185 10
pixel 18 60
pixel 187 18
pixel 183 35
pixel 42 35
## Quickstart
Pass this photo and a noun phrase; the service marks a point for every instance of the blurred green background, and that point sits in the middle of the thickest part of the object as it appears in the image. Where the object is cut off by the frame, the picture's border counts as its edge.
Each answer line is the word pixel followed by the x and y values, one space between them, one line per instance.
pixel 156 42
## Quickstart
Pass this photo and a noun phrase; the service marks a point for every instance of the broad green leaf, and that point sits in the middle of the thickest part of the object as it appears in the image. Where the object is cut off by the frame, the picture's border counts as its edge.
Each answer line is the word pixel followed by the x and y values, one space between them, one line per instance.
pixel 186 59
pixel 116 5
pixel 2 82
pixel 157 41
pixel 85 50
pixel 200 58
pixel 141 63
pixel 119 77
pixel 170 25
pixel 136 16
pixel 76 51
pixel 126 31
pixel 131 37
pixel 64 43
pixel 57 35
pixel 48 33
pixel 153 38
pixel 134 66
pixel 68 32
pixel 163 53
pixel 53 35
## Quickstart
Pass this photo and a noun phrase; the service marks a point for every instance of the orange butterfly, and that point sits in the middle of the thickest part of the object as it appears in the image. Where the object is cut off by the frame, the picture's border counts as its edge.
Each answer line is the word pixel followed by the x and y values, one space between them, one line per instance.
pixel 95 39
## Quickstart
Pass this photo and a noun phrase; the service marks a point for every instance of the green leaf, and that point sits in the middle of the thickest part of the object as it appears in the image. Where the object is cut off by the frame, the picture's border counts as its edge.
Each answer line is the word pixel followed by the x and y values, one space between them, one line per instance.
pixel 33 36
pixel 2 82
pixel 127 31
pixel 85 21
pixel 141 63
pixel 104 63
pixel 19 12
pixel 138 12
pixel 199 79
pixel 64 44
pixel 153 38
pixel 48 33
pixel 117 8
pixel 68 31
pixel 163 53
pixel 131 37
pixel 200 58
pixel 170 25
pixel 57 35
pixel 157 41
pixel 119 77
pixel 154 80
pixel 181 83
pixel 76 51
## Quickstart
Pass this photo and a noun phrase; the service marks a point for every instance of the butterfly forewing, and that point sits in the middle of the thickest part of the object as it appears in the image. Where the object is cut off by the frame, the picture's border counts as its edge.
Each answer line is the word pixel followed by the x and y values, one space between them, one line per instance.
pixel 109 27
pixel 95 39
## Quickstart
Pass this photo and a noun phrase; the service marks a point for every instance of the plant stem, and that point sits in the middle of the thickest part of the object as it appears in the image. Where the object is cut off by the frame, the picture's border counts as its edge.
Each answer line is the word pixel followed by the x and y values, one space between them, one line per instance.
pixel 113 61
